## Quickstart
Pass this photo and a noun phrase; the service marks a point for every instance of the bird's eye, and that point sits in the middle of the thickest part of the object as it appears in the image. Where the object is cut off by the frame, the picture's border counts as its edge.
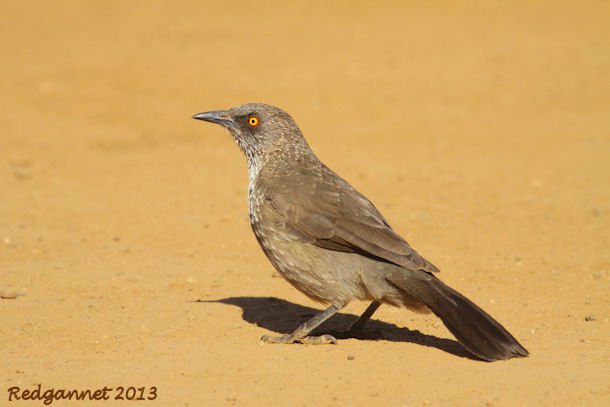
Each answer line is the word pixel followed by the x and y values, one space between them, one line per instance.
pixel 253 121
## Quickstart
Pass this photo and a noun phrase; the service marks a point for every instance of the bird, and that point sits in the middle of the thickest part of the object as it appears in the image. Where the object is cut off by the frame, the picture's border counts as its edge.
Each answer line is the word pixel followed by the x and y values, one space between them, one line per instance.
pixel 331 243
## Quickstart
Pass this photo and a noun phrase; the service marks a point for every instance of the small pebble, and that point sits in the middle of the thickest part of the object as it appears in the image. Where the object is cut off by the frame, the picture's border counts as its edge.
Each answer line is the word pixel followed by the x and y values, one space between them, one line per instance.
pixel 589 318
pixel 351 357
pixel 11 295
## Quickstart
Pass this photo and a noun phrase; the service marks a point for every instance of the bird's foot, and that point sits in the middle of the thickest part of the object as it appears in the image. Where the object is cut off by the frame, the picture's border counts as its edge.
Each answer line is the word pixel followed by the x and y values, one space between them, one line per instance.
pixel 308 340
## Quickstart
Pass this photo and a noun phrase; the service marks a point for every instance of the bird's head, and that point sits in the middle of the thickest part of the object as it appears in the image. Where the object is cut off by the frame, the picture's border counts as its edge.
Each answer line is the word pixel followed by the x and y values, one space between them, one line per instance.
pixel 259 130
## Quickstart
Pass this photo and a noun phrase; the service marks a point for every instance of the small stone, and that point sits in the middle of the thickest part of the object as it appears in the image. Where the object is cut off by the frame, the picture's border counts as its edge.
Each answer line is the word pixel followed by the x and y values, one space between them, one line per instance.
pixel 351 357
pixel 589 318
pixel 11 295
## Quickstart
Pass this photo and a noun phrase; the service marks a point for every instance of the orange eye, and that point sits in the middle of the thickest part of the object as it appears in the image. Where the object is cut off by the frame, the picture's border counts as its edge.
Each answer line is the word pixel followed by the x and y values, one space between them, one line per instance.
pixel 253 121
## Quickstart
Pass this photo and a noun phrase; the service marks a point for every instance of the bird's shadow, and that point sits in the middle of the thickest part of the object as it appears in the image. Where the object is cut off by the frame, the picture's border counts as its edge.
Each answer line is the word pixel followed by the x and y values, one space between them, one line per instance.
pixel 283 317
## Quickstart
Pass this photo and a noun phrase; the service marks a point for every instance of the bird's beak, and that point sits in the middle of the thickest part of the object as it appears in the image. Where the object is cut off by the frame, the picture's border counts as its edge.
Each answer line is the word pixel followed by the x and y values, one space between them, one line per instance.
pixel 221 117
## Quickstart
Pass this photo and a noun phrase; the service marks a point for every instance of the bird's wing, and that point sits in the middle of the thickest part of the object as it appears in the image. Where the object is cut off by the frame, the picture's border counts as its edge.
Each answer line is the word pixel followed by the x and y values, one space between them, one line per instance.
pixel 330 213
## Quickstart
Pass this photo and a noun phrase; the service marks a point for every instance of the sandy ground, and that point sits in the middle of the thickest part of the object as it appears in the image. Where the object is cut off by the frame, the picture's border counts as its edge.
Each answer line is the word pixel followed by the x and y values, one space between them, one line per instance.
pixel 126 258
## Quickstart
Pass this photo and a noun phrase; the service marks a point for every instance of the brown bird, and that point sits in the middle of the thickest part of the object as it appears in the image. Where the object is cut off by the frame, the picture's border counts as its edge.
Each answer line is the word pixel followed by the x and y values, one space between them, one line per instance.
pixel 332 244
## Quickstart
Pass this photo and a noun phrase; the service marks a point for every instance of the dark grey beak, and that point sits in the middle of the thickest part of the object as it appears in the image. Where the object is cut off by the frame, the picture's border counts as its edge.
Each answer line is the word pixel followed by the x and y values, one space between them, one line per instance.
pixel 221 117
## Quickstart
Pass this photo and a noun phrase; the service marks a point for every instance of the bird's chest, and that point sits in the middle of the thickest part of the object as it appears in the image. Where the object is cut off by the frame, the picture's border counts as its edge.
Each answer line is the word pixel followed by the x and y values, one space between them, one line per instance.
pixel 281 245
pixel 268 226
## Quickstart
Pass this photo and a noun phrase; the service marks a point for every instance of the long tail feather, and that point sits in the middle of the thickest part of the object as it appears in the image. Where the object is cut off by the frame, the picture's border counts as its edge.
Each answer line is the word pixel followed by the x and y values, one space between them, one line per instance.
pixel 475 329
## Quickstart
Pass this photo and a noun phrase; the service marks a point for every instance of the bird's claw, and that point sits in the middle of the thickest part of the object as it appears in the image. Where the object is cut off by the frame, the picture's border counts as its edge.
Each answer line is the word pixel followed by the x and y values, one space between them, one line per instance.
pixel 308 340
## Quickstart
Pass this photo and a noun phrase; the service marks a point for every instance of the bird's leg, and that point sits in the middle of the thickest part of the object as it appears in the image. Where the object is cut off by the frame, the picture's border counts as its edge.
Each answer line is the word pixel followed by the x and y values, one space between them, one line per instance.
pixel 300 334
pixel 356 327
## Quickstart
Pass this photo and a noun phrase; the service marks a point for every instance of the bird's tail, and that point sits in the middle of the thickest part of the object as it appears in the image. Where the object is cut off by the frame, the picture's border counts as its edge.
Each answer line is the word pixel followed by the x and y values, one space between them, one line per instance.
pixel 476 330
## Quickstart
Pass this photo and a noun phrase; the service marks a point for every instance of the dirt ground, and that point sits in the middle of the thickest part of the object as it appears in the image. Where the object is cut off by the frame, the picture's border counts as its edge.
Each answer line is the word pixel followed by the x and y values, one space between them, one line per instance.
pixel 482 132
